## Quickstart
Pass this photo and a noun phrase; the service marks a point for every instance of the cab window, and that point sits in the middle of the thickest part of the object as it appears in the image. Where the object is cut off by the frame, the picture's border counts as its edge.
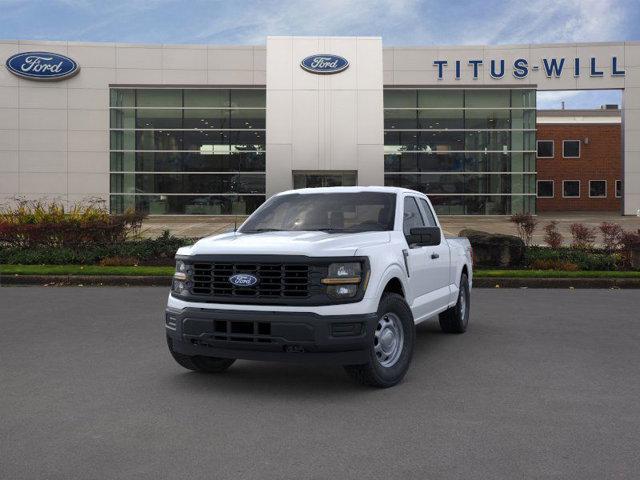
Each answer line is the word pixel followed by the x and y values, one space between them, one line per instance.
pixel 412 217
pixel 430 219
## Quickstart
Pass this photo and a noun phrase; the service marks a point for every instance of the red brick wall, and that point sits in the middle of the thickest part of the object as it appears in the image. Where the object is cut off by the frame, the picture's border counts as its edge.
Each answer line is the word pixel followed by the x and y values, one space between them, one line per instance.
pixel 600 159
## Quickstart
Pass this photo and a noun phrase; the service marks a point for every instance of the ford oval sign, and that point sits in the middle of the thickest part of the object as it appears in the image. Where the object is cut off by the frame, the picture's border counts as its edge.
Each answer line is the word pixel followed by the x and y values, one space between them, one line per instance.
pixel 324 63
pixel 42 66
pixel 243 280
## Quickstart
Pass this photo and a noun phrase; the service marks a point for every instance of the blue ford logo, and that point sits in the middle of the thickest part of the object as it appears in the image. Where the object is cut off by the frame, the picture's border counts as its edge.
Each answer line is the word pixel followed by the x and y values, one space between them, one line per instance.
pixel 243 280
pixel 324 63
pixel 42 66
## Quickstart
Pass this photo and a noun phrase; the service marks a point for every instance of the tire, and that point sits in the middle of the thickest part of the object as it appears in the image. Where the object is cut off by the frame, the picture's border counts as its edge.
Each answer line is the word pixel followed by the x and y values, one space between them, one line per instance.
pixel 456 318
pixel 199 363
pixel 389 361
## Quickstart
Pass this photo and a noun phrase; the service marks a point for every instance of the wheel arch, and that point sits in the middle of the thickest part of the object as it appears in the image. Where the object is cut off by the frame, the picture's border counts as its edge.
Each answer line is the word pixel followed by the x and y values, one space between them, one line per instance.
pixel 393 280
pixel 394 285
pixel 465 270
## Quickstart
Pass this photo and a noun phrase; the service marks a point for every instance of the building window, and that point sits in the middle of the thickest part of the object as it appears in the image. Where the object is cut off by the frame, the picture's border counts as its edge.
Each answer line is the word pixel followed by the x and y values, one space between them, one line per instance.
pixel 197 151
pixel 618 188
pixel 571 188
pixel 545 188
pixel 302 179
pixel 545 148
pixel 571 149
pixel 597 188
pixel 473 151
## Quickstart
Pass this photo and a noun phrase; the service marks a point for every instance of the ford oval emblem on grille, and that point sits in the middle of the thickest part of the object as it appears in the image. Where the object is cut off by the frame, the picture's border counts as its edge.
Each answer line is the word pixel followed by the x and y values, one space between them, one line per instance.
pixel 324 63
pixel 243 280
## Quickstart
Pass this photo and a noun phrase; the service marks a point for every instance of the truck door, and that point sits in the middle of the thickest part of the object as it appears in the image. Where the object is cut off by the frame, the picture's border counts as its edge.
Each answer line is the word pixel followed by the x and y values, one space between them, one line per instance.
pixel 426 298
pixel 439 255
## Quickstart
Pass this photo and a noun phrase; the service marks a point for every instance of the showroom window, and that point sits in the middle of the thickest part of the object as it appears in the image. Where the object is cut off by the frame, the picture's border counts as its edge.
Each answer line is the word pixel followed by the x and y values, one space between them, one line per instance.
pixel 473 151
pixel 187 151
pixel 597 188
pixel 545 149
pixel 571 149
pixel 545 188
pixel 571 188
pixel 618 188
pixel 326 178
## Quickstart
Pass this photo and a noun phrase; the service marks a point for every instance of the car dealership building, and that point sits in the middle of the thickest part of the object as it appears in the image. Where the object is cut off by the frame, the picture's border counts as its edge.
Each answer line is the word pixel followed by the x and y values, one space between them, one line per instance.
pixel 214 130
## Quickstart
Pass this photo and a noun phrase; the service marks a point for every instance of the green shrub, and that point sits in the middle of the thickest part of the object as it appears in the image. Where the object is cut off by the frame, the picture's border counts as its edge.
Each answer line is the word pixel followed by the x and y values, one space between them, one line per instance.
pixel 584 259
pixel 562 265
pixel 156 251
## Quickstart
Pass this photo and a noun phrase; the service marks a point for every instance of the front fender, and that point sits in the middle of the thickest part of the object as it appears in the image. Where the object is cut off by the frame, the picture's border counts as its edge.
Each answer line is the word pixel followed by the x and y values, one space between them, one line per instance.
pixel 392 271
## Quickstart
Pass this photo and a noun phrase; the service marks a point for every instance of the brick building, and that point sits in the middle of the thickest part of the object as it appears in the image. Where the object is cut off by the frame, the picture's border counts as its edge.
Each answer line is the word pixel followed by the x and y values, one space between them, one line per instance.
pixel 579 160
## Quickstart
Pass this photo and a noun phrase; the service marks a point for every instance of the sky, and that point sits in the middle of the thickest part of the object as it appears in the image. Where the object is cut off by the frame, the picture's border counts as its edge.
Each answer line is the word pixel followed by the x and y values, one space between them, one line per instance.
pixel 399 22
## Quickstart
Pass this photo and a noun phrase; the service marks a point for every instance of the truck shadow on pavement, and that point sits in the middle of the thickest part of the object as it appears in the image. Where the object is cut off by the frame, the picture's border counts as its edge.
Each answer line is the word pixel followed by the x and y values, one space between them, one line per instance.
pixel 269 379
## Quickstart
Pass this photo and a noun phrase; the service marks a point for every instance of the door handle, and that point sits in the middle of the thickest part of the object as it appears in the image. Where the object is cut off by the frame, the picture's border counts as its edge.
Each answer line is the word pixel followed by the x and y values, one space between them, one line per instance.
pixel 434 256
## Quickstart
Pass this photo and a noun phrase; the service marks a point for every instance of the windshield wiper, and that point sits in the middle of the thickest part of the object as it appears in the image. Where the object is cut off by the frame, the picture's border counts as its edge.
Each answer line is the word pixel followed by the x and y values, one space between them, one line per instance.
pixel 261 230
pixel 349 230
pixel 341 230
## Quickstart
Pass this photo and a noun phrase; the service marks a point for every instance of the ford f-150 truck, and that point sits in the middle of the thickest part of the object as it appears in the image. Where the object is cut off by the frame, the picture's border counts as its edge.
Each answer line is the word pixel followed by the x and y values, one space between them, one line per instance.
pixel 339 275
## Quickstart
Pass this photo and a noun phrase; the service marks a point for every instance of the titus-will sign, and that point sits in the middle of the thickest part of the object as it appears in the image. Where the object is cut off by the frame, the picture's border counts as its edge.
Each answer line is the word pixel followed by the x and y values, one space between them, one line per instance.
pixel 42 66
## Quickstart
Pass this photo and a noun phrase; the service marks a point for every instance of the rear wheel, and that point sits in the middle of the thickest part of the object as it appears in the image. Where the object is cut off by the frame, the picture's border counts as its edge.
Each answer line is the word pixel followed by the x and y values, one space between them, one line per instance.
pixel 391 346
pixel 456 319
pixel 199 363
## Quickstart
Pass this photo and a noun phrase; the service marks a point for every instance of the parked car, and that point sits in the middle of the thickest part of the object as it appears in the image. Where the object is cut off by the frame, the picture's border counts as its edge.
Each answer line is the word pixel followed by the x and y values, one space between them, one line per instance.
pixel 337 275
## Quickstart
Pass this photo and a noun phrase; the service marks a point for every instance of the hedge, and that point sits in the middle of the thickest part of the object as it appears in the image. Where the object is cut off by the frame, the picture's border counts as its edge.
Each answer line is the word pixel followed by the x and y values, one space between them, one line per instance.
pixel 157 251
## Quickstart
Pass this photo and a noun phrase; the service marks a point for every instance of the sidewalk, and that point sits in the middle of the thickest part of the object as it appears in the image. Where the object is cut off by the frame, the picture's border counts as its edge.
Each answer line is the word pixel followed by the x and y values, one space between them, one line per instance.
pixel 202 226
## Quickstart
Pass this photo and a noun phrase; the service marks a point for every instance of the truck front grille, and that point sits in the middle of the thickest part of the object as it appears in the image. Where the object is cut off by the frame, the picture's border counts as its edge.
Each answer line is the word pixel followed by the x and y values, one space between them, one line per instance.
pixel 276 280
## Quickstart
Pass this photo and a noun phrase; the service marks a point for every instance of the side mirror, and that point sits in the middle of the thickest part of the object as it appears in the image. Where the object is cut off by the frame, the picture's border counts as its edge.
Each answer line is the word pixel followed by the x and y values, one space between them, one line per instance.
pixel 424 236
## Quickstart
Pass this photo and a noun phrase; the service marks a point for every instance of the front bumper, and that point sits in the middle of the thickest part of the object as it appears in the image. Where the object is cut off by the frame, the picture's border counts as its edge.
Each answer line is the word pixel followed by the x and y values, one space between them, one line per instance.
pixel 271 335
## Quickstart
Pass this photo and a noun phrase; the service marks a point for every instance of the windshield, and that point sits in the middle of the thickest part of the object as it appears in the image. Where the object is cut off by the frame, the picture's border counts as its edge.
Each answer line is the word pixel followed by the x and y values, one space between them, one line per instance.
pixel 329 212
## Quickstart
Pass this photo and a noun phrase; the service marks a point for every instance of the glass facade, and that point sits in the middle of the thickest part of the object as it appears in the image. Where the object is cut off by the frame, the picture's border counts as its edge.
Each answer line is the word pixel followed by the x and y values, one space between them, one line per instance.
pixel 202 150
pixel 472 151
pixel 326 178
pixel 187 151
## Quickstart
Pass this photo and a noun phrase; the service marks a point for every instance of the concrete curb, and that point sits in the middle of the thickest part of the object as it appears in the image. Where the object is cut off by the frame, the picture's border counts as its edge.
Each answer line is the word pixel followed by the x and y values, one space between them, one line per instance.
pixel 165 281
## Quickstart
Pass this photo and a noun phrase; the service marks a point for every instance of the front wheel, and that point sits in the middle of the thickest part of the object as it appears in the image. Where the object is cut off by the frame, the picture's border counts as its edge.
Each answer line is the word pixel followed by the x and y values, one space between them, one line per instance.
pixel 456 318
pixel 199 363
pixel 391 347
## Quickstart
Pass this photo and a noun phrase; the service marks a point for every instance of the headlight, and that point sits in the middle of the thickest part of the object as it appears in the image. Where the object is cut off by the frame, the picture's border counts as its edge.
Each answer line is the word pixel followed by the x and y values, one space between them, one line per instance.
pixel 344 270
pixel 342 291
pixel 181 267
pixel 178 286
pixel 343 279
pixel 181 283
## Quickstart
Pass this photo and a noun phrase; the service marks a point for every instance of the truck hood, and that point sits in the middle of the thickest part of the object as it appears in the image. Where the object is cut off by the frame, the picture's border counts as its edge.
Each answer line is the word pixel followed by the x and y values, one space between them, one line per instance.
pixel 312 244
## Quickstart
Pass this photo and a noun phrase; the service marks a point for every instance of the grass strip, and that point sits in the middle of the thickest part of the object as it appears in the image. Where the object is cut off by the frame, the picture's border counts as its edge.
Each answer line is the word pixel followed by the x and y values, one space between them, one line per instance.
pixel 84 270
pixel 482 273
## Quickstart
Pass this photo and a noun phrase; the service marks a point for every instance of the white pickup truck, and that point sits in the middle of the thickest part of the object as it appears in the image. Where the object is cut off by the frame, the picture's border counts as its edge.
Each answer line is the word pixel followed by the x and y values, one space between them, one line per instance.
pixel 337 275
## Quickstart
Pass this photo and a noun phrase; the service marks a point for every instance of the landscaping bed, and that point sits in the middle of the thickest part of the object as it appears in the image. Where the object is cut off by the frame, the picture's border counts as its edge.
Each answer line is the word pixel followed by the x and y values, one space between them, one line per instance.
pixel 87 244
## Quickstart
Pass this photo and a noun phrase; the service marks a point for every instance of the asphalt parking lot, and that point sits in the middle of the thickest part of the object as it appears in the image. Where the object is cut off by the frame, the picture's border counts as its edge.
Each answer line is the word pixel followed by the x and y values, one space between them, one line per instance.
pixel 545 384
